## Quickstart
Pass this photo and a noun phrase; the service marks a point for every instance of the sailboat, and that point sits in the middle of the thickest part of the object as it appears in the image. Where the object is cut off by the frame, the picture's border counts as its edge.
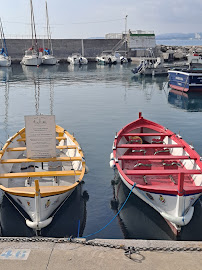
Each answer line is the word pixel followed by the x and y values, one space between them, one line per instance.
pixel 48 58
pixel 33 57
pixel 5 60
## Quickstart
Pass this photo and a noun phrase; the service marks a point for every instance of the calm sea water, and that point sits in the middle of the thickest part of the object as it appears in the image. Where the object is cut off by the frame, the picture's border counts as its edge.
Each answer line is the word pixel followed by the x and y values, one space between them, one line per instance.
pixel 180 42
pixel 94 102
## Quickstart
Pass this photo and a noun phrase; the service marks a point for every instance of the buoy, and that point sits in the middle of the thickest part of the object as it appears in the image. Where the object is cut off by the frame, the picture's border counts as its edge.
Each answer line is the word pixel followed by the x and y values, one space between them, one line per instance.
pixel 112 164
pixel 111 156
pixel 86 169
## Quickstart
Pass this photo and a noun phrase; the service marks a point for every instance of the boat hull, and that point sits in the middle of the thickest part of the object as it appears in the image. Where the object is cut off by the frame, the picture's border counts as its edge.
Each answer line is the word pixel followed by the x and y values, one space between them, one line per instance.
pixel 185 81
pixel 49 60
pixel 5 61
pixel 164 204
pixel 31 61
pixel 160 168
pixel 47 206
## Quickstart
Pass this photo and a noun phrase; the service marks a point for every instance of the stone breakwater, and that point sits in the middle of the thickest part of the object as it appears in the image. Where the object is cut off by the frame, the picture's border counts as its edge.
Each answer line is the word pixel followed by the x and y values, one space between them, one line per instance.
pixel 177 52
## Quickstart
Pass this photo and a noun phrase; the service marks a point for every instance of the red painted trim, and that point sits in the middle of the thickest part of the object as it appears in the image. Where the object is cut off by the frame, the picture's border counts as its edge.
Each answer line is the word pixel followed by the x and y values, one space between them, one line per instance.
pixel 180 88
pixel 150 157
pixel 161 172
pixel 147 134
pixel 154 145
pixel 180 184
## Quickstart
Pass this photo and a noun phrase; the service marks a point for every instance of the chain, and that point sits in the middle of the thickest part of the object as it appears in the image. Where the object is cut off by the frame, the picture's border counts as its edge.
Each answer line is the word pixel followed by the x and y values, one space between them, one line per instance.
pixel 82 241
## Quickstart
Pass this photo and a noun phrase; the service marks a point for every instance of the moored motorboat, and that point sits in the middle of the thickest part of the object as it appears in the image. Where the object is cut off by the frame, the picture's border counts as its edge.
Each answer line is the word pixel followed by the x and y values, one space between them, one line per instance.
pixel 150 66
pixel 39 184
pixel 106 59
pixel 185 80
pixel 160 168
pixel 77 59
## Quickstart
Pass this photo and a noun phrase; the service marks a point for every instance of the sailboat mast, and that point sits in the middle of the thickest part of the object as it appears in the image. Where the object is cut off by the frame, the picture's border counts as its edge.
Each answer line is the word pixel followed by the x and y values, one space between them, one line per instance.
pixel 3 40
pixel 33 26
pixel 1 30
pixel 82 48
pixel 48 31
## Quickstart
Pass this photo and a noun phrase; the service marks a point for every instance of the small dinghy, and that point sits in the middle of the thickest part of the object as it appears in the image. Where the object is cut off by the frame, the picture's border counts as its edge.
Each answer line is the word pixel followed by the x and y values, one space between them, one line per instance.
pixel 39 185
pixel 160 168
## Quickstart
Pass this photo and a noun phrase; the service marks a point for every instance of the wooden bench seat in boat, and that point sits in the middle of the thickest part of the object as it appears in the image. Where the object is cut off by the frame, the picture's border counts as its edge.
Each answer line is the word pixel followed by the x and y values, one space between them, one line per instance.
pixel 58 147
pixel 161 172
pixel 156 157
pixel 40 174
pixel 26 160
pixel 57 138
pixel 149 146
pixel 147 134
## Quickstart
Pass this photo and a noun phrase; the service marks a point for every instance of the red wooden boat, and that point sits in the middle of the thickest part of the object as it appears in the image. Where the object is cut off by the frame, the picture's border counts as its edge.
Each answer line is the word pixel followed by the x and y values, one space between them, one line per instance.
pixel 164 170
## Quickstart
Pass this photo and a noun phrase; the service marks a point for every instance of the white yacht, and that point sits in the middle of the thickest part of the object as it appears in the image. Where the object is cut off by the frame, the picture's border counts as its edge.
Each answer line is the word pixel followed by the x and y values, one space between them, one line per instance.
pixel 77 59
pixel 106 59
pixel 33 57
pixel 5 60
pixel 48 58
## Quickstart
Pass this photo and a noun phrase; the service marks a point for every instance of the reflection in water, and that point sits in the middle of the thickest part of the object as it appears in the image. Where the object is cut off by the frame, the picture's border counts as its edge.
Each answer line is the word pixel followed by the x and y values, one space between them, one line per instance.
pixel 150 84
pixel 70 220
pixel 187 101
pixel 36 75
pixel 5 72
pixel 138 220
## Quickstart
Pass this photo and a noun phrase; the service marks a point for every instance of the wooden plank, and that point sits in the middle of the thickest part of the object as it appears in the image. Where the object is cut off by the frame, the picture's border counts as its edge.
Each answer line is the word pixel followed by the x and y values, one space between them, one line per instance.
pixel 57 138
pixel 154 145
pixel 156 157
pixel 25 160
pixel 146 134
pixel 58 147
pixel 161 172
pixel 40 174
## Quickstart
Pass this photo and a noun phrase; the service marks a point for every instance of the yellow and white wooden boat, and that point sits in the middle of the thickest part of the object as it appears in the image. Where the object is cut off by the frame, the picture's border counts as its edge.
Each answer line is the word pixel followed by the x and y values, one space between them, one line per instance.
pixel 40 185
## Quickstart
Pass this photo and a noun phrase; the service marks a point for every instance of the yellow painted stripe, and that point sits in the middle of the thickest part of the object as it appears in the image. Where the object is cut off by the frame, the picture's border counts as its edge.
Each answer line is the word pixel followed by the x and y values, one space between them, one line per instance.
pixel 44 190
pixel 37 190
pixel 58 147
pixel 57 138
pixel 40 174
pixel 25 160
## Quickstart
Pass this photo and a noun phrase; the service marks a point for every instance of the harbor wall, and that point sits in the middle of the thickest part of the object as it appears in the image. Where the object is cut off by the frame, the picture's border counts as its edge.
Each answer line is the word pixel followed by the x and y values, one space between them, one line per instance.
pixel 62 48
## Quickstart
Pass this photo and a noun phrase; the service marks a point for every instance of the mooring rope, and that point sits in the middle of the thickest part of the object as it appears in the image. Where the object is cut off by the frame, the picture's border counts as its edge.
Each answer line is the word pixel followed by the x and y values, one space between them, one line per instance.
pixel 113 217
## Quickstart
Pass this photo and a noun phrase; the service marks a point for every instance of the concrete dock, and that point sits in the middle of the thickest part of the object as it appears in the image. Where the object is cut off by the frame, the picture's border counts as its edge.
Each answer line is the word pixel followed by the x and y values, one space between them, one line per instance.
pixel 52 253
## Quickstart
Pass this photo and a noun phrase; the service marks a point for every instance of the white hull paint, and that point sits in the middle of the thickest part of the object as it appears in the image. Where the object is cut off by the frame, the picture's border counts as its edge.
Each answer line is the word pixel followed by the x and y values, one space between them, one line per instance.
pixel 47 206
pixel 31 61
pixel 167 205
pixel 5 61
pixel 49 60
pixel 77 60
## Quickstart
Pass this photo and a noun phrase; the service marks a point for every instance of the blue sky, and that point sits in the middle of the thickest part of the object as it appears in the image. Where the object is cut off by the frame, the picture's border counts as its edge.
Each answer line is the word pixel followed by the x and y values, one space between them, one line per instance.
pixel 88 18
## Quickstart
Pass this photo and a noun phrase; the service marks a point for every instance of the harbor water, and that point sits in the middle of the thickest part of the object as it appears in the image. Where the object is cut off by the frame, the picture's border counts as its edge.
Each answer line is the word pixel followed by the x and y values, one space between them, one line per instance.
pixel 94 102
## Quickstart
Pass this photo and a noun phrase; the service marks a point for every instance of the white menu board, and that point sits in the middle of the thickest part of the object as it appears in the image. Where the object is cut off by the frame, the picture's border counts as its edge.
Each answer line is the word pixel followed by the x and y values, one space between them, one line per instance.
pixel 40 136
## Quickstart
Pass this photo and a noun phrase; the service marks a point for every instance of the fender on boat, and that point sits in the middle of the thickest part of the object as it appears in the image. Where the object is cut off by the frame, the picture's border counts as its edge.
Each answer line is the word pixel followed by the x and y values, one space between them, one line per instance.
pixel 112 164
pixel 181 221
pixel 40 224
pixel 86 170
